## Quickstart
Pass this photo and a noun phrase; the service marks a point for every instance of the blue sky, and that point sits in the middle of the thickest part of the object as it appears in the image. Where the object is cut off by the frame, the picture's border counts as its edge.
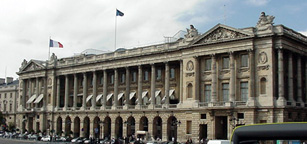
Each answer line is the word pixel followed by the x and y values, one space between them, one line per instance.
pixel 26 26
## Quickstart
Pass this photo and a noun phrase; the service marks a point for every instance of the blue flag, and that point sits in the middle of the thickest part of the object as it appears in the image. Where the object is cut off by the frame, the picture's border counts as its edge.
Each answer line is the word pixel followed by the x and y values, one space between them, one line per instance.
pixel 119 13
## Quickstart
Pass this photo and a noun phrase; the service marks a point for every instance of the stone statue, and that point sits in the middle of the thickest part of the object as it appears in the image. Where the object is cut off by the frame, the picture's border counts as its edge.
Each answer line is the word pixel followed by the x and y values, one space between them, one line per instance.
pixel 24 63
pixel 53 57
pixel 192 32
pixel 265 20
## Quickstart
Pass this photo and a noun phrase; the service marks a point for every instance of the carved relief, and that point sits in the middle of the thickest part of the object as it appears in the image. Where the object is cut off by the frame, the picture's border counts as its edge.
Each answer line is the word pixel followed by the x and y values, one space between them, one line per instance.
pixel 222 34
pixel 190 74
pixel 49 81
pixel 263 58
pixel 265 67
pixel 190 66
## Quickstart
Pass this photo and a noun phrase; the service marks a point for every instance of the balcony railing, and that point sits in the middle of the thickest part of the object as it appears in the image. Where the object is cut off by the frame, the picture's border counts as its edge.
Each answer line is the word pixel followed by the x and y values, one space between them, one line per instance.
pixel 218 103
pixel 240 103
pixel 131 106
pixel 144 106
pixel 120 107
pixel 203 104
pixel 158 106
pixel 172 106
pixel 108 107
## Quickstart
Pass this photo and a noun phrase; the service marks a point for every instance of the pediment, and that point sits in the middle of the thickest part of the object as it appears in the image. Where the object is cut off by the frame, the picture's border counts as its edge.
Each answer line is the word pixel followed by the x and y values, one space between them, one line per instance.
pixel 32 65
pixel 221 33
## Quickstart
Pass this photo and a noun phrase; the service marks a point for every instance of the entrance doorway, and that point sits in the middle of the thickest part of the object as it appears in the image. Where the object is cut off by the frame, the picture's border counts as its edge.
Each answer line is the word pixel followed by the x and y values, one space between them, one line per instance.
pixel 221 127
pixel 203 131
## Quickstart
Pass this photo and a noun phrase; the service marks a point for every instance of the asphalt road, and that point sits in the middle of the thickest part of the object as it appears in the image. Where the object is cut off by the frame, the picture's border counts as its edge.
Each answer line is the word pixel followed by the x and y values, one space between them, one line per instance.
pixel 17 141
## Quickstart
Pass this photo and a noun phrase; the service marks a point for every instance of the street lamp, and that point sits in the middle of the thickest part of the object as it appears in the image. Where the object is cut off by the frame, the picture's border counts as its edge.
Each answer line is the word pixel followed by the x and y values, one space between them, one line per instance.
pixel 100 124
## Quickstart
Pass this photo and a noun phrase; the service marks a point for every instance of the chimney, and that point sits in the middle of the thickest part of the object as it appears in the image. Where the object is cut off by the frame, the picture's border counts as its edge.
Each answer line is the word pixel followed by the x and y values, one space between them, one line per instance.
pixel 2 81
pixel 9 80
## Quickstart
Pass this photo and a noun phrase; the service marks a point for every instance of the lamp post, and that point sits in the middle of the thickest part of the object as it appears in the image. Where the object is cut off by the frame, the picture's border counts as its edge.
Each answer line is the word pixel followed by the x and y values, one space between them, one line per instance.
pixel 175 123
pixel 101 123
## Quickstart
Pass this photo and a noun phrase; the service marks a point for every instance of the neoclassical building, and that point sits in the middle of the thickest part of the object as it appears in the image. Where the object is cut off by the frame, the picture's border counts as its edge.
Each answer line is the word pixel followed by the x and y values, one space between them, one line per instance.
pixel 199 86
pixel 9 99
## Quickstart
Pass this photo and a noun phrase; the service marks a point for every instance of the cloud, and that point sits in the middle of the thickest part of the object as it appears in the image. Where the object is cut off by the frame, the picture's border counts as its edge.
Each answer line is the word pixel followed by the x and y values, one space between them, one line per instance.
pixel 257 2
pixel 24 41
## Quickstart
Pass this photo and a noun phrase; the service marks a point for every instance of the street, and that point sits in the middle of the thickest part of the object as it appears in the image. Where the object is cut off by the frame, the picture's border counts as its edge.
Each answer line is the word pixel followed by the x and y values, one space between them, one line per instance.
pixel 18 141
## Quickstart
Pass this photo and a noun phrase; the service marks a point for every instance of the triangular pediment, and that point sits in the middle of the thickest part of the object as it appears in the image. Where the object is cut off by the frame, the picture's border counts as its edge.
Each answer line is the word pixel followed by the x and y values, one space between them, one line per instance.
pixel 33 65
pixel 221 33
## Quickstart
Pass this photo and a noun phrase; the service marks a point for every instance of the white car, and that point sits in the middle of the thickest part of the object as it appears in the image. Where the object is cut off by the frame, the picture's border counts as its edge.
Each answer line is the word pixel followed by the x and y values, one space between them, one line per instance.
pixel 46 138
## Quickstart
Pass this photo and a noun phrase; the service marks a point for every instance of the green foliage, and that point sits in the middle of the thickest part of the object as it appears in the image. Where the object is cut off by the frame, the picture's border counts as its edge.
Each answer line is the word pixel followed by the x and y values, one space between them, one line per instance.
pixel 11 126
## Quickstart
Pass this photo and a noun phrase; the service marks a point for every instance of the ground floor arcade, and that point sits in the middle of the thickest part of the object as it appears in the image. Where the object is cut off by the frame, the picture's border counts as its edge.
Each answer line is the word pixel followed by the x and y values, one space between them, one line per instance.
pixel 166 124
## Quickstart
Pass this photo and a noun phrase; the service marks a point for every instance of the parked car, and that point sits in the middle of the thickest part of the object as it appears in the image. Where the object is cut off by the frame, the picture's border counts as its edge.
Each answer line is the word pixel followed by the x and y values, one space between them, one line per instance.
pixel 74 140
pixel 46 138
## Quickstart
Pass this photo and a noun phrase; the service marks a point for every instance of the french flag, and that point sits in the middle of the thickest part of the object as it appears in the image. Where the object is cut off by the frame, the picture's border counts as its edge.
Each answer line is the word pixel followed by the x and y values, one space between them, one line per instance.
pixel 55 44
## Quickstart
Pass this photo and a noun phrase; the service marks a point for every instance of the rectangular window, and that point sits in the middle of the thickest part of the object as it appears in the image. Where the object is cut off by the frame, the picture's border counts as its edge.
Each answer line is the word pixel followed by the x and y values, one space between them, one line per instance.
pixel 225 92
pixel 240 115
pixel 11 107
pixel 122 79
pixel 208 93
pixel 172 73
pixel 244 91
pixel 159 74
pixel 145 75
pixel 225 62
pixel 208 63
pixel 203 116
pixel 133 76
pixel 5 95
pixel 101 80
pixel 189 127
pixel 112 79
pixel 244 60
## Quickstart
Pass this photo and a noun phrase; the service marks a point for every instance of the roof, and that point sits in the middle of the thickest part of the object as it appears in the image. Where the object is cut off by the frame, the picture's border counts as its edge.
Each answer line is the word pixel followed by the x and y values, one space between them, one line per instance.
pixel 15 82
pixel 276 131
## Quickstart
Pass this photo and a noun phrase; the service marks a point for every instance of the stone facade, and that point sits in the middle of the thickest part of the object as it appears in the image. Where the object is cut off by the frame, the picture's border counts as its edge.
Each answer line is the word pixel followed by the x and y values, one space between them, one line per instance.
pixel 200 86
pixel 9 99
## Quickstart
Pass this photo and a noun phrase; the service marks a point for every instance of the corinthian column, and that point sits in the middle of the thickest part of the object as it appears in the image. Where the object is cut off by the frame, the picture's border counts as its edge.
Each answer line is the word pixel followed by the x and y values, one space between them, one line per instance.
pixel 299 81
pixel 214 79
pixel 75 91
pixel 167 83
pixel 115 87
pixel 84 91
pixel 290 79
pixel 94 90
pixel 153 84
pixel 232 77
pixel 281 93
pixel 140 85
pixel 127 93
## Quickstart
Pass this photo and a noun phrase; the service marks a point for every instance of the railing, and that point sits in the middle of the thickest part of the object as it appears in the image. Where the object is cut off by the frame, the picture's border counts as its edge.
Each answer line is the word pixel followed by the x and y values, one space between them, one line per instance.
pixel 203 104
pixel 240 103
pixel 172 106
pixel 108 107
pixel 131 106
pixel 289 103
pixel 60 109
pixel 298 104
pixel 87 108
pixel 69 108
pixel 158 106
pixel 218 103
pixel 144 106
pixel 119 107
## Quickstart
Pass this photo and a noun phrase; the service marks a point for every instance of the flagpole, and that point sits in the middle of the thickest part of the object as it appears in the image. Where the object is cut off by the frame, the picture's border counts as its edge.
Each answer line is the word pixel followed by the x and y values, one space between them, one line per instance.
pixel 49 48
pixel 115 30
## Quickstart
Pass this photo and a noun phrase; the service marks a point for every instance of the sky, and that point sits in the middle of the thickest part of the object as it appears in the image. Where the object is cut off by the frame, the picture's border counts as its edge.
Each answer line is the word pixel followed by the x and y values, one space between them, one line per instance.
pixel 27 25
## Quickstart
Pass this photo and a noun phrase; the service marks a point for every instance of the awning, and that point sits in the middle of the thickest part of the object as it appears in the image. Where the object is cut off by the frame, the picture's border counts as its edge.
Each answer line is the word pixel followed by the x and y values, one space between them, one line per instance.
pixel 171 92
pixel 39 98
pixel 149 99
pixel 80 94
pixel 144 94
pixel 163 99
pixel 89 97
pixel 157 93
pixel 132 94
pixel 109 96
pixel 120 95
pixel 136 101
pixel 31 99
pixel 99 97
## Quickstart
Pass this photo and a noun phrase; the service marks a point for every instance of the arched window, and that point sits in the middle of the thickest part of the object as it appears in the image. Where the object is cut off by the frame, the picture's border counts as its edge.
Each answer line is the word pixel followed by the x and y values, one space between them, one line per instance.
pixel 189 90
pixel 263 85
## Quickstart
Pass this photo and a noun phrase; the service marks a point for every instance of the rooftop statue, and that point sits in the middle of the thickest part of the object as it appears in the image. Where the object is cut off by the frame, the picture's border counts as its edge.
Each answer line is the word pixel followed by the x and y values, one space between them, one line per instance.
pixel 192 32
pixel 265 20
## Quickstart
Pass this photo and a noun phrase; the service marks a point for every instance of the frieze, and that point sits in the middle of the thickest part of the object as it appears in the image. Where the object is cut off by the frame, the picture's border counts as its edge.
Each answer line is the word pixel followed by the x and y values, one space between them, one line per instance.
pixel 241 70
pixel 222 34
pixel 190 74
pixel 263 67
pixel 295 34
